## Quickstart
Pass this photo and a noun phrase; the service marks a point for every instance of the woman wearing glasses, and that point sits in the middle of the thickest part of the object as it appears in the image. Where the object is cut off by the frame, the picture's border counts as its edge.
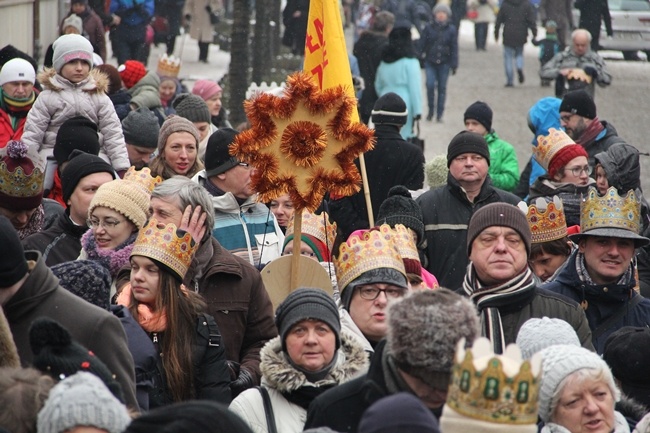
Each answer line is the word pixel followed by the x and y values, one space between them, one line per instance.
pixel 567 174
pixel 178 147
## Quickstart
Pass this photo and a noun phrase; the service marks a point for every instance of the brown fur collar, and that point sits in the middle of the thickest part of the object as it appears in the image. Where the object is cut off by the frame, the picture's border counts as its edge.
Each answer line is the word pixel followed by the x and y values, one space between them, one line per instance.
pixel 97 81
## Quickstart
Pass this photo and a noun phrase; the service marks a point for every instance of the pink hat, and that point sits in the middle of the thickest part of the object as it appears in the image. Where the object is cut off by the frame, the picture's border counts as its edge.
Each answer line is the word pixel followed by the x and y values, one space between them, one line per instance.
pixel 206 89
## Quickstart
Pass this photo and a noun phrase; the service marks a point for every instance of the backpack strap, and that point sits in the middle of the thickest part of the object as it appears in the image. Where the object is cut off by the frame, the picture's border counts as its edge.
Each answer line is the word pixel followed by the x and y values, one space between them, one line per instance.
pixel 268 409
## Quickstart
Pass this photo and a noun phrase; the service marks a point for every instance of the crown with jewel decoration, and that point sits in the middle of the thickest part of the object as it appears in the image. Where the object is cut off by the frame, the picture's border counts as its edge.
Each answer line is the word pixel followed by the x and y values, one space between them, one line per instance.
pixel 317 225
pixel 369 250
pixel 549 145
pixel 403 240
pixel 547 221
pixel 610 211
pixel 166 244
pixel 498 389
pixel 21 176
pixel 168 66
pixel 143 178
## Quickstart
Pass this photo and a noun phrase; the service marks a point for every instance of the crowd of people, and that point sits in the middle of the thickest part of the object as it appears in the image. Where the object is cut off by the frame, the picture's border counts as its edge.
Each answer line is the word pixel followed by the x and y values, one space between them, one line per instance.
pixel 135 250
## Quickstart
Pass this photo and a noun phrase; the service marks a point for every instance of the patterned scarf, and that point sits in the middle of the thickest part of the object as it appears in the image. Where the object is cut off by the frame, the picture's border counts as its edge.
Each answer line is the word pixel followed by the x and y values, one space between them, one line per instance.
pixel 113 260
pixel 34 224
pixel 590 134
pixel 488 299
pixel 584 276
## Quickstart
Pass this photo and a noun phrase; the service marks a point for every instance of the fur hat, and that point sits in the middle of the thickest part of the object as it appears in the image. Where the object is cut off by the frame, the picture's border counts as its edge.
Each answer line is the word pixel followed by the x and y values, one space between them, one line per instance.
pixel 87 279
pixel 141 128
pixel 481 112
pixel 114 79
pixel 125 198
pixel 80 165
pixel 307 303
pixel 68 48
pixel 206 89
pixel 76 133
pixel 400 208
pixel 401 412
pixel 498 214
pixel 217 157
pixel 537 334
pixel 192 107
pixel 423 332
pixel 560 361
pixel 82 400
pixel 13 265
pixel 75 21
pixel 174 124
pixel 131 72
pixel 389 109
pixel 17 70
pixel 627 352
pixel 467 142
pixel 579 102
pixel 437 171
pixel 21 177
pixel 59 356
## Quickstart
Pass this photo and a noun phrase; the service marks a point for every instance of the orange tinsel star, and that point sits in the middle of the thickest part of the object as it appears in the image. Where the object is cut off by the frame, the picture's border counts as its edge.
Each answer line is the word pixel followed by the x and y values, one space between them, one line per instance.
pixel 302 143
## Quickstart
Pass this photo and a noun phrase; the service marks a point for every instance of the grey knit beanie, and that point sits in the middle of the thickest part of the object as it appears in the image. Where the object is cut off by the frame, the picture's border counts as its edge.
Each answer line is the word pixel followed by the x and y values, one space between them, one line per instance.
pixel 141 128
pixel 192 107
pixel 442 7
pixel 75 21
pixel 498 214
pixel 68 48
pixel 537 334
pixel 82 400
pixel 307 303
pixel 423 332
pixel 175 124
pixel 560 361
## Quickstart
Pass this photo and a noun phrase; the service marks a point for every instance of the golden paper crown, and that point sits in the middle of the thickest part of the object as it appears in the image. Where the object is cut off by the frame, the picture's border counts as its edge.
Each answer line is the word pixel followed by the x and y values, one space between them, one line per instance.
pixel 547 221
pixel 402 238
pixel 317 225
pixel 166 244
pixel 548 146
pixel 610 211
pixel 366 251
pixel 142 177
pixel 500 389
pixel 168 66
pixel 20 174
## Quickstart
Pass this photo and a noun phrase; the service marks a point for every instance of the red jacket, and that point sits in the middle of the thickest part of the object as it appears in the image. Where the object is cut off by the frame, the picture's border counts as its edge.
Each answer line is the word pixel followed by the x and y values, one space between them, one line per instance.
pixel 7 132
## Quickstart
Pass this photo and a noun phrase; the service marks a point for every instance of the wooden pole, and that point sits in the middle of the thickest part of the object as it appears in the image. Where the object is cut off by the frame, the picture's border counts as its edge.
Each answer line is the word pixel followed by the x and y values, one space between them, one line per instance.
pixel 366 190
pixel 295 256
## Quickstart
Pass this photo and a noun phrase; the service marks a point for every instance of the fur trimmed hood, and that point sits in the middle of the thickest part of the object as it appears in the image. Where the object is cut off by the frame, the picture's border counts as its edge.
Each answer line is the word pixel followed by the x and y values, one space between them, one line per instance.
pixel 279 374
pixel 97 81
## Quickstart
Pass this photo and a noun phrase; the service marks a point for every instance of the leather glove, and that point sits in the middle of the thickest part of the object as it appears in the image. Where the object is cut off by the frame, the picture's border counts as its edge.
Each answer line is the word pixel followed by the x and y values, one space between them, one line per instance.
pixel 591 71
pixel 208 9
pixel 233 369
pixel 242 383
pixel 453 71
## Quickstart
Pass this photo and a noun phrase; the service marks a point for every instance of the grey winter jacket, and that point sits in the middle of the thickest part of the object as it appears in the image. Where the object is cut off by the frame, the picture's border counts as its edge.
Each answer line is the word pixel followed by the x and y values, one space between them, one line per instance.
pixel 568 60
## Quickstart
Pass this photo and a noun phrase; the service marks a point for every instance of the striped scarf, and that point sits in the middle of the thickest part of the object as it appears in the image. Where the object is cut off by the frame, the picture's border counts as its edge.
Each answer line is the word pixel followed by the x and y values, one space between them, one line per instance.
pixel 488 299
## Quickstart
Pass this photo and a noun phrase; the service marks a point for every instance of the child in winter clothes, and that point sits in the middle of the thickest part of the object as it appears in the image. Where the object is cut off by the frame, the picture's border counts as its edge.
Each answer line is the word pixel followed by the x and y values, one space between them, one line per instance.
pixel 143 86
pixel 119 96
pixel 548 48
pixel 71 88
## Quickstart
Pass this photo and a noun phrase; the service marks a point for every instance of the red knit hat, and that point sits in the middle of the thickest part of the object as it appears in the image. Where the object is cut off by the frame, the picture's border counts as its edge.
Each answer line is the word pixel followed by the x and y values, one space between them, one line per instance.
pixel 564 156
pixel 131 72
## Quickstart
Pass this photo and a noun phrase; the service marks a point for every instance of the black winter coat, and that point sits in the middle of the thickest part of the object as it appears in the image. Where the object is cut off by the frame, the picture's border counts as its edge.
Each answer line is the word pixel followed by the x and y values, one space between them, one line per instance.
pixel 60 243
pixel 592 12
pixel 368 51
pixel 601 143
pixel 516 17
pixel 439 44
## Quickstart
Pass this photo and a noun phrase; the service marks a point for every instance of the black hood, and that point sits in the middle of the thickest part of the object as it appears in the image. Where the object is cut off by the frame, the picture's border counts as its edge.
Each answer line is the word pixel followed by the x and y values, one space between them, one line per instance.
pixel 621 164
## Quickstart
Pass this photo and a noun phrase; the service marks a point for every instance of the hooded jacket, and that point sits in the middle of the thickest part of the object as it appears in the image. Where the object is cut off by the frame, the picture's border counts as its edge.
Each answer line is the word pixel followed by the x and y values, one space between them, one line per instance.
pixel 146 93
pixel 59 243
pixel 61 100
pixel 516 17
pixel 504 167
pixel 279 376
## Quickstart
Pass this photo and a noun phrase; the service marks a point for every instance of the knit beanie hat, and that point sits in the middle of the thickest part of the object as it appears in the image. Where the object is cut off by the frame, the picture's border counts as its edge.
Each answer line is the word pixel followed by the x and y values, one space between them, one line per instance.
pixel 389 109
pixel 307 303
pixel 627 352
pixel 537 334
pixel 400 208
pixel 498 214
pixel 206 89
pixel 318 247
pixel 68 48
pixel 481 112
pixel 114 79
pixel 401 412
pixel 217 157
pixel 467 142
pixel 423 332
pixel 13 265
pixel 560 361
pixel 79 166
pixel 82 400
pixel 78 133
pixel 442 7
pixel 131 72
pixel 59 356
pixel 192 416
pixel 175 124
pixel 87 279
pixel 125 198
pixel 564 156
pixel 141 128
pixel 579 102
pixel 436 171
pixel 17 70
pixel 75 21
pixel 21 177
pixel 192 107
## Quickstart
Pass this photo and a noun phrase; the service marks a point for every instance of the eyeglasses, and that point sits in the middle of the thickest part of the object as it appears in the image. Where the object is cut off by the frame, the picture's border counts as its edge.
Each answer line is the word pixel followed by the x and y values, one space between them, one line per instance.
pixel 566 117
pixel 577 171
pixel 370 293
pixel 108 224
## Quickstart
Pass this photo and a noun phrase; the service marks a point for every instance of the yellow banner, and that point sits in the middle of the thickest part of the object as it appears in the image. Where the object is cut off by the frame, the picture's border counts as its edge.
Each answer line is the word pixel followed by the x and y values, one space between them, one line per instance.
pixel 326 57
